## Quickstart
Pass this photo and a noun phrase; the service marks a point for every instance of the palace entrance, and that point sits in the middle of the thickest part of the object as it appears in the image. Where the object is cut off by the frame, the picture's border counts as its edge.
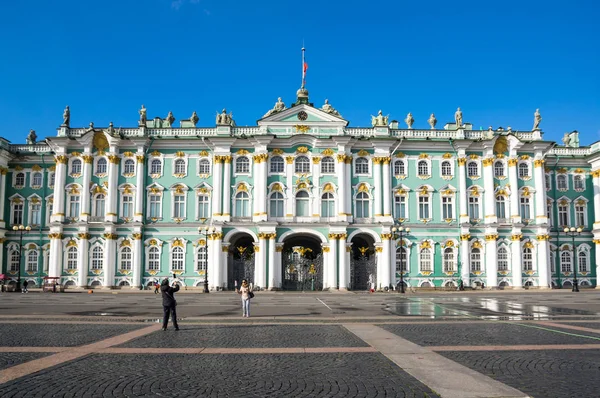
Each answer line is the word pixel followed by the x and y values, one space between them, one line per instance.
pixel 240 261
pixel 302 264
pixel 363 265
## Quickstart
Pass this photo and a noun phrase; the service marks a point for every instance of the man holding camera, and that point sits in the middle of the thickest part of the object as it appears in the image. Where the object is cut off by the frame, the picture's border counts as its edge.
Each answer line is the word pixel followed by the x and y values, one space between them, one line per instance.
pixel 169 303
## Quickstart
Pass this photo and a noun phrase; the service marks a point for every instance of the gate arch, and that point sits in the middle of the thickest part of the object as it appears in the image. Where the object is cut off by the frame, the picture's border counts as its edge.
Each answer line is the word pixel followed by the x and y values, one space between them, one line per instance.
pixel 302 262
pixel 363 265
pixel 240 258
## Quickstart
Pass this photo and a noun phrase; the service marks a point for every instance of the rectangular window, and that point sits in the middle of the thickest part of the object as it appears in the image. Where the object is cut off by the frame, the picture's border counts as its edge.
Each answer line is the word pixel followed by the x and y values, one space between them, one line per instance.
pixel 447 208
pixel 74 206
pixel 179 206
pixel 154 206
pixel 127 206
pixel 424 207
pixel 203 206
pixel 579 216
pixel 474 207
pixel 525 209
pixel 17 213
pixel 563 216
pixel 400 206
pixel 36 214
pixel 549 213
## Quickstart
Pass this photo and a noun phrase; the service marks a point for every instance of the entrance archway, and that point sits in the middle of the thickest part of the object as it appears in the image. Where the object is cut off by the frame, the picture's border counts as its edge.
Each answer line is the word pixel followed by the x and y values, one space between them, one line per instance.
pixel 240 260
pixel 363 265
pixel 302 263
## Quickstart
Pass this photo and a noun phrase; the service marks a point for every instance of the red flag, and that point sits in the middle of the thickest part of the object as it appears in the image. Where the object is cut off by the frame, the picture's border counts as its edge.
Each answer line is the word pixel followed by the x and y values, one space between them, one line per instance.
pixel 305 67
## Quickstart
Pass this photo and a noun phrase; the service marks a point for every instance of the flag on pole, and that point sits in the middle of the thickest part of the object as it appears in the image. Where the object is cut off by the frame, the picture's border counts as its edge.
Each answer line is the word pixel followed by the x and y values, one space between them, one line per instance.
pixel 304 68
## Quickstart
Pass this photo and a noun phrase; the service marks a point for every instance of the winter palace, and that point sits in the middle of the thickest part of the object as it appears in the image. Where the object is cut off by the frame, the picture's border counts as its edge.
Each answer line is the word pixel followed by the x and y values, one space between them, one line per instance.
pixel 300 201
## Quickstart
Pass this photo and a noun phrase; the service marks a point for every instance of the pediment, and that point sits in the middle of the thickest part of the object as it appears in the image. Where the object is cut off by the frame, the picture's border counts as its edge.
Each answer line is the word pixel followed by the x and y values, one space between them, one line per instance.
pixel 314 117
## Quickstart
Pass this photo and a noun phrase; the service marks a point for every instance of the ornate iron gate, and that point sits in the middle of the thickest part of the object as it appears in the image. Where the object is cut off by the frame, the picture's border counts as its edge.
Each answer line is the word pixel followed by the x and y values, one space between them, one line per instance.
pixel 242 268
pixel 300 272
pixel 363 270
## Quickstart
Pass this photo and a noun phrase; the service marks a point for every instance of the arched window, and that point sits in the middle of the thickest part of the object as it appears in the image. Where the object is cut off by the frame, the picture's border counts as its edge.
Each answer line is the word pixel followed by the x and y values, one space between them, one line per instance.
pixel 362 205
pixel 99 201
pixel 180 166
pixel 361 166
pixel 577 183
pixel 276 205
pixel 302 165
pixel 582 261
pixel 101 166
pixel 472 169
pixel 501 207
pixel 156 166
pixel 32 261
pixel 476 260
pixel 126 259
pixel 449 263
pixel 327 165
pixel 527 259
pixel 204 166
pixel 242 165
pixel 203 206
pixel 129 166
pixel 242 204
pixel 302 209
pixel 498 169
pixel 401 263
pixel 523 170
pixel 561 182
pixel 425 257
pixel 446 169
pixel 76 166
pixel 277 165
pixel 20 179
pixel 154 259
pixel 423 168
pixel 36 179
pixel 327 205
pixel 399 168
pixel 502 259
pixel 565 261
pixel 177 259
pixel 97 258
pixel 202 259
pixel 72 255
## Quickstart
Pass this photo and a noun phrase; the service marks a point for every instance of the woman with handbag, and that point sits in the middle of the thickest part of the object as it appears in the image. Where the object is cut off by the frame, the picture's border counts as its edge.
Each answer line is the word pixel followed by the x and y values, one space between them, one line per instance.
pixel 247 294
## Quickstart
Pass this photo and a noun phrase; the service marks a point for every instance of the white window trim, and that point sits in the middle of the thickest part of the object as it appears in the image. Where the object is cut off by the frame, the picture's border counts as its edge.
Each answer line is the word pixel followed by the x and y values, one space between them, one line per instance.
pixel 162 166
pixel 355 202
pixel 13 201
pixel 208 193
pixel 135 167
pixel 369 159
pixel 14 183
pixel 210 165
pixel 405 162
pixel 583 180
pixel 70 166
pixel 133 191
pixel 28 251
pixel 568 206
pixel 120 259
pixel 158 244
pixel 95 166
pixel 309 201
pixel 94 204
pixel 269 194
pixel 504 169
pixel 65 265
pixel 419 249
pixel 309 172
pixel 407 248
pixel 233 200
pixel 50 174
pixel 250 164
pixel 321 166
pixel 49 203
pixel 174 193
pixel 548 176
pixel 423 176
pixel 529 170
pixel 197 249
pixel 585 210
pixel 478 164
pixel 171 250
pixel 584 248
pixel 30 209
pixel 97 243
pixel 454 249
pixel 534 258
pixel 429 196
pixel 31 179
pixel 451 161
pixel 566 176
pixel 161 194
pixel 506 247
pixel 186 165
pixel 271 173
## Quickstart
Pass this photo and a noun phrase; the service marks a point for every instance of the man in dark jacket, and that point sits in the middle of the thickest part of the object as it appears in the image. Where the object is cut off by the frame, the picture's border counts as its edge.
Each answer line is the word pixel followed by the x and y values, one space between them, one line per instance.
pixel 169 303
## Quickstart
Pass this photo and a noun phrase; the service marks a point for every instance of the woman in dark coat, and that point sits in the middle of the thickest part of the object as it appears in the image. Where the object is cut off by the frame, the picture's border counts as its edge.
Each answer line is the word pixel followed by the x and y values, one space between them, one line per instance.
pixel 169 303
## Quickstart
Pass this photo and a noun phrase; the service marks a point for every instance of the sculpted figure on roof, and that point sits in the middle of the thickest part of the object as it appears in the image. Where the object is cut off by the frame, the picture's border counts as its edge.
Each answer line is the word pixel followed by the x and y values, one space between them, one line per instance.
pixel 330 109
pixel 170 118
pixel 67 116
pixel 379 120
pixel 458 118
pixel 278 107
pixel 537 118
pixel 225 119
pixel 142 113
pixel 31 137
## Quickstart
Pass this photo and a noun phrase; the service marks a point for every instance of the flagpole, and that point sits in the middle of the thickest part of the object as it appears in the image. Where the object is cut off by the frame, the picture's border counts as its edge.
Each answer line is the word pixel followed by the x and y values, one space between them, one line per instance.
pixel 303 71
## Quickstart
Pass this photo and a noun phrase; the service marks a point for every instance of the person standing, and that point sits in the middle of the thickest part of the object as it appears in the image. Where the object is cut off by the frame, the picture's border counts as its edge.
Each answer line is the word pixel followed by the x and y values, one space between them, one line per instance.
pixel 245 291
pixel 169 303
pixel 156 287
pixel 25 283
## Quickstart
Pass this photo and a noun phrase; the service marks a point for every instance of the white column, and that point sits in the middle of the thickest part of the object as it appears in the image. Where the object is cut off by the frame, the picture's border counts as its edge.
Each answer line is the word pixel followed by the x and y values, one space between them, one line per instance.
pixel 2 240
pixel 263 186
pixel 348 193
pixel 326 264
pixel 138 259
pixel 109 265
pixel 272 263
pixel 347 260
pixel 289 193
pixel 514 190
pixel 56 252
pixel 341 186
pixel 217 186
pixel 596 183
pixel 597 255
pixel 214 276
pixel 316 201
pixel 491 260
pixel 260 256
pixel 387 188
pixel 516 263
pixel 278 271
pixel 332 268
pixel 59 189
pixel 462 185
pixel 223 268
pixel 227 188
pixel 386 267
pixel 465 259
pixel 377 188
pixel 540 192
pixel 88 159
pixel 140 189
pixel 258 188
pixel 543 264
pixel 82 264
pixel 488 186
pixel 3 171
pixel 112 191
pixel 344 271
pixel 379 252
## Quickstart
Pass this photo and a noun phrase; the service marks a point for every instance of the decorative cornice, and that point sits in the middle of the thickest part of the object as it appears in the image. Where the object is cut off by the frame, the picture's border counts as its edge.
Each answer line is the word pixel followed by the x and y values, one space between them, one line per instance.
pixel 491 237
pixel 516 237
pixel 84 236
pixel 110 236
pixel 465 237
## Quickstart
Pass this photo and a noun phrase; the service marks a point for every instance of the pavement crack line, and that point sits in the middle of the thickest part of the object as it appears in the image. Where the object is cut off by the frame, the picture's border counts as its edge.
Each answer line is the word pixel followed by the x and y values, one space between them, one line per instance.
pixel 321 301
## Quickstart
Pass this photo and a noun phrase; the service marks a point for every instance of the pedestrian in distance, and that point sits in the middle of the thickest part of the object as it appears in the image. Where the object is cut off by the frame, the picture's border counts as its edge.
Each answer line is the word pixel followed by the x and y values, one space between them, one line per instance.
pixel 169 303
pixel 156 287
pixel 25 283
pixel 247 294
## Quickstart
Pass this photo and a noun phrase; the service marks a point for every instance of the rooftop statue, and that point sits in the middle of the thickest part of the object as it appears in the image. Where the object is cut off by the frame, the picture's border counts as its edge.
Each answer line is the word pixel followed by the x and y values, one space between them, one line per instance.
pixel 537 118
pixel 330 109
pixel 278 107
pixel 111 128
pixel 194 118
pixel 31 137
pixel 170 118
pixel 458 118
pixel 432 121
pixel 225 119
pixel 571 140
pixel 142 113
pixel 409 120
pixel 379 120
pixel 91 126
pixel 66 117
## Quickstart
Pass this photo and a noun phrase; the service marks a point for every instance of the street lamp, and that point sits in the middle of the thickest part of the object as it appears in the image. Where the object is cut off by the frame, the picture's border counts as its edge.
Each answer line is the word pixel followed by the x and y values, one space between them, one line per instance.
pixel 21 230
pixel 398 232
pixel 573 232
pixel 206 232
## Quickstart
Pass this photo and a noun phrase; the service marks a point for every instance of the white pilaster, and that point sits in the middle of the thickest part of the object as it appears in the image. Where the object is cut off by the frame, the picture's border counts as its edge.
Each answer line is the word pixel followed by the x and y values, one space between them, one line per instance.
pixel 110 255
pixel 227 188
pixel 517 263
pixel 3 171
pixel 112 191
pixel 289 192
pixel 514 191
pixel 377 188
pixel 316 191
pixel 342 187
pixel 214 277
pixel 346 269
pixel 278 265
pixel 258 189
pixel 138 259
pixel 462 192
pixel 56 252
pixel 597 255
pixel 2 240
pixel 217 187
pixel 272 282
pixel 260 256
pixel 491 260
pixel 344 263
pixel 140 189
pixel 83 257
pixel 348 194
pixel 331 270
pixel 387 189
pixel 543 263
pixel 386 267
pixel 488 186
pixel 60 177
pixel 596 184
pixel 379 252
pixel 223 274
pixel 540 192
pixel 465 260
pixel 88 159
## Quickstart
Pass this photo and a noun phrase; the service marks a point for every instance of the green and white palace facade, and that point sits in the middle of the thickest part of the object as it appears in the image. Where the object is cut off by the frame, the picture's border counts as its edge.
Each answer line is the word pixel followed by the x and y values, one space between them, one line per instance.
pixel 300 201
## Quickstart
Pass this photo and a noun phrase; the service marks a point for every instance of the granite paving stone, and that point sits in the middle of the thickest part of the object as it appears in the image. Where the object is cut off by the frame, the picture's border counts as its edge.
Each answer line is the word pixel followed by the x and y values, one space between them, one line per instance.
pixel 247 375
pixel 58 335
pixel 589 325
pixel 484 334
pixel 251 336
pixel 8 359
pixel 544 374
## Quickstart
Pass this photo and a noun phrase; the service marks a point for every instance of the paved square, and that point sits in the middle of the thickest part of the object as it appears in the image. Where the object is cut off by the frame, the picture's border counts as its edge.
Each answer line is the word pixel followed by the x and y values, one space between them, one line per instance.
pixel 251 336
pixel 486 334
pixel 8 359
pixel 58 335
pixel 247 375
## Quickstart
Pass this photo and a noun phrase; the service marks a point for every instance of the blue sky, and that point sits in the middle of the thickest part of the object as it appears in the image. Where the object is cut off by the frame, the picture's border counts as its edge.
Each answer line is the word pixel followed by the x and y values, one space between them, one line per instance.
pixel 497 60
